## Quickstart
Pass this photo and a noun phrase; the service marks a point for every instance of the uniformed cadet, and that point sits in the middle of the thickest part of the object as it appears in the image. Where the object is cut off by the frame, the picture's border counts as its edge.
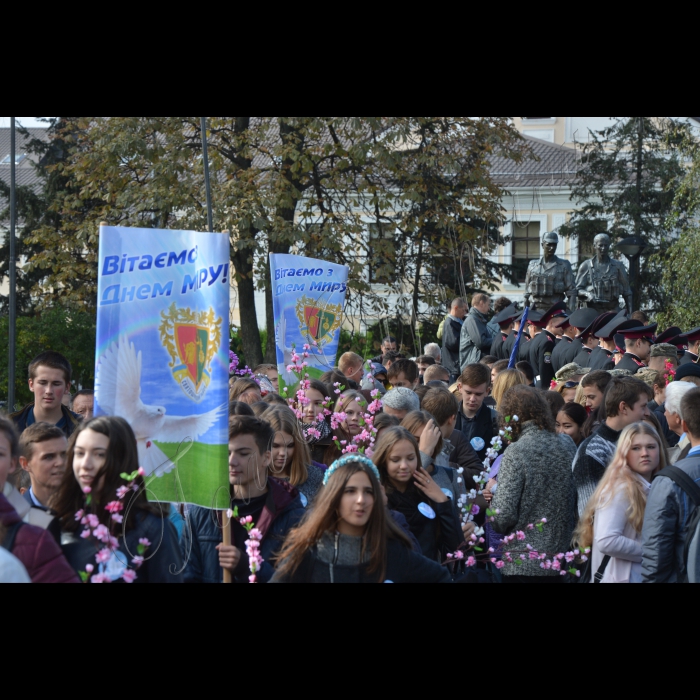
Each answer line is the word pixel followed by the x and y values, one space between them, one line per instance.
pixel 550 279
pixel 604 357
pixel 566 352
pixel 692 354
pixel 533 332
pixel 513 336
pixel 543 346
pixel 638 342
pixel 505 322
pixel 589 340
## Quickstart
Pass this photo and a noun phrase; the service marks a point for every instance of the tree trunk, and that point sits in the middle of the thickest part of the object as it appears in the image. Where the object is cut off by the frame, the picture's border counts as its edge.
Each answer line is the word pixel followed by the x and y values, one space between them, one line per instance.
pixel 271 349
pixel 250 332
pixel 416 295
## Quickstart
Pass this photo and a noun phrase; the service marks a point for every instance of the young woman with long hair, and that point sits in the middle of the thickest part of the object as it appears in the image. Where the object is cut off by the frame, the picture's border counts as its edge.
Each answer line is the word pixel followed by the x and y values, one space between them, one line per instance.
pixel 612 523
pixel 505 381
pixel 431 514
pixel 100 453
pixel 348 537
pixel 350 404
pixel 291 457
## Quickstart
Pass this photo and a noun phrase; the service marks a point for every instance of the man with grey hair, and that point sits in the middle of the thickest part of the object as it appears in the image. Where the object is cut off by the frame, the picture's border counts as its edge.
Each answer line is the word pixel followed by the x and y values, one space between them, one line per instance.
pixel 400 402
pixel 452 336
pixel 675 393
pixel 602 281
pixel 433 350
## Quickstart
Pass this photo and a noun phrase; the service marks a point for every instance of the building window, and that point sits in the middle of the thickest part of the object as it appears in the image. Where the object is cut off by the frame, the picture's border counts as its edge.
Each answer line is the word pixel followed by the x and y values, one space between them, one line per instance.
pixel 7 160
pixel 527 246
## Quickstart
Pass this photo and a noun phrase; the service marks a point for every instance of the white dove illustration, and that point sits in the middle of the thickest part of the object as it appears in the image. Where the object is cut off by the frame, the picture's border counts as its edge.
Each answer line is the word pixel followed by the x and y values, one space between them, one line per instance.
pixel 118 388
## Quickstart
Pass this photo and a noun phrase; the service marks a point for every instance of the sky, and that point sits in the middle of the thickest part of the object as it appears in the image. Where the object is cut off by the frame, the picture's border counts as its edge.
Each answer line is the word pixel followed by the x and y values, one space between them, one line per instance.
pixel 25 121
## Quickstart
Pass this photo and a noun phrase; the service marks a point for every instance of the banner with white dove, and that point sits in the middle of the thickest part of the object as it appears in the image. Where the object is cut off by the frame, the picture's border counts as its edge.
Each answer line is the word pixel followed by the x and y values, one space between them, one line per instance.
pixel 162 355
pixel 308 298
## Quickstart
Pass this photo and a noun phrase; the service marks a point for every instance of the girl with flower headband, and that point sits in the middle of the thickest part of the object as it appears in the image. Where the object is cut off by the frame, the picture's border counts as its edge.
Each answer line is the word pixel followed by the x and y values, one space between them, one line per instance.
pixel 431 514
pixel 291 458
pixel 349 536
pixel 110 531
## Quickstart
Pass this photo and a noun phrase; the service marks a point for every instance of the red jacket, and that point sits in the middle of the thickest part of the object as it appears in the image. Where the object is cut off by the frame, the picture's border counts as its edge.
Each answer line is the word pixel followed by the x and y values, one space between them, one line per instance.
pixel 37 550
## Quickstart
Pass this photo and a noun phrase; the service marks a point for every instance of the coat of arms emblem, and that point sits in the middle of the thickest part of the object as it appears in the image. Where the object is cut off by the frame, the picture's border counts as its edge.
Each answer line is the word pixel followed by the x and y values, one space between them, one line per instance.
pixel 192 339
pixel 318 321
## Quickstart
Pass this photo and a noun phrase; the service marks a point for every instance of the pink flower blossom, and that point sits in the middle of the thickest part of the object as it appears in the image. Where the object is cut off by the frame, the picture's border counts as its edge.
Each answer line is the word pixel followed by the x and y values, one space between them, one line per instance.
pixel 129 576
pixel 521 536
pixel 79 516
pixel 119 519
pixel 144 543
pixel 103 556
pixel 137 562
pixel 253 579
pixel 89 568
pixel 556 566
pixel 115 507
pixel 500 565
pixel 87 490
pixel 122 491
pixel 86 535
pixel 102 534
pixel 142 472
pixel 471 562
pixel 100 579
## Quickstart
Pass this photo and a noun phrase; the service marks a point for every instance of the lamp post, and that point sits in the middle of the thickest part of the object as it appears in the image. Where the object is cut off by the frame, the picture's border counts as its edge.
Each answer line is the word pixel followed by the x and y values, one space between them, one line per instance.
pixel 12 350
pixel 207 180
pixel 633 248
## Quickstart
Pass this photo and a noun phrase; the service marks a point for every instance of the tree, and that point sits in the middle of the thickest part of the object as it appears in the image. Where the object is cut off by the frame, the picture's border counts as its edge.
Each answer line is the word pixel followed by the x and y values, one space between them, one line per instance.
pixel 308 185
pixel 681 278
pixel 626 184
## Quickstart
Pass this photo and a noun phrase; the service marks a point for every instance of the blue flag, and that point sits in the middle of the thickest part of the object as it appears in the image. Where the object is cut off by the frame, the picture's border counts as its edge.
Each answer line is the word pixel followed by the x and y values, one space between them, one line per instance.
pixel 516 349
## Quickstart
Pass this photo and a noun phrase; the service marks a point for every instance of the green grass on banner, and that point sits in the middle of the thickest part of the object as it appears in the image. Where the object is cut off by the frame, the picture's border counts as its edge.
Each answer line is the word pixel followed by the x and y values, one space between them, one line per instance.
pixel 313 373
pixel 202 473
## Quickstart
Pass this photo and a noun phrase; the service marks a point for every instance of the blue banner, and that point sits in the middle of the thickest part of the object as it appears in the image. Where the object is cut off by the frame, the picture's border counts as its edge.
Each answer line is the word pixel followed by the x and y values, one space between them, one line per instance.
pixel 309 299
pixel 162 355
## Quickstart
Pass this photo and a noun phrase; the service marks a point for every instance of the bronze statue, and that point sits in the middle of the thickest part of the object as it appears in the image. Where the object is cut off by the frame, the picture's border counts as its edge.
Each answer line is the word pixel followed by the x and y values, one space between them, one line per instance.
pixel 550 279
pixel 602 281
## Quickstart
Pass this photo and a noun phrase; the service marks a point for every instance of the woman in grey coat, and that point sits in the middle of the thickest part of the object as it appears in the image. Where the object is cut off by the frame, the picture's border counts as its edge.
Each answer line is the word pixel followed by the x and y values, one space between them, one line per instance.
pixel 535 482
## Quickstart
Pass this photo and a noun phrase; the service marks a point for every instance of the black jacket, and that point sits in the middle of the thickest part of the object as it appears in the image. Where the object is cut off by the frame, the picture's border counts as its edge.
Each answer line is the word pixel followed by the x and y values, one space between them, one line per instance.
pixel 688 358
pixel 163 561
pixel 21 417
pixel 541 358
pixel 583 359
pixel 282 512
pixel 484 425
pixel 630 363
pixel 497 345
pixel 561 348
pixel 450 346
pixel 402 566
pixel 601 359
pixel 565 354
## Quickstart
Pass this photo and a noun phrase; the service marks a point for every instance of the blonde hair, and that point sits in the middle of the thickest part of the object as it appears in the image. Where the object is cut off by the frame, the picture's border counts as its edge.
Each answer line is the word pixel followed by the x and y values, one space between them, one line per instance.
pixel 505 381
pixel 581 396
pixel 619 476
pixel 416 422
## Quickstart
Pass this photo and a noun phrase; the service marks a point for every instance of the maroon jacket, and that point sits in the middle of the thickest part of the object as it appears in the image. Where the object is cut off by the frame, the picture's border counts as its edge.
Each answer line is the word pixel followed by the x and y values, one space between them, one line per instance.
pixel 37 550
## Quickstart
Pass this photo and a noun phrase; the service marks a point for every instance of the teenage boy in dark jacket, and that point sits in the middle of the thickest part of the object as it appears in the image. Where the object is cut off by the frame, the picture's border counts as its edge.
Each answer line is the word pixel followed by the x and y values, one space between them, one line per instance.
pixel 274 507
pixel 49 381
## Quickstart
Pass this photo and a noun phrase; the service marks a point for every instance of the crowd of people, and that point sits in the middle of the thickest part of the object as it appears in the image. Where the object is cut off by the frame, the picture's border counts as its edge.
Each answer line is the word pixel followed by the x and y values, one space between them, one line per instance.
pixel 546 448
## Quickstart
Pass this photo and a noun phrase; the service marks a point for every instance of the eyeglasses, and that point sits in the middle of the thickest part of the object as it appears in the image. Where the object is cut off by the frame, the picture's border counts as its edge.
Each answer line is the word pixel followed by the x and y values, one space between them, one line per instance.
pixel 572 385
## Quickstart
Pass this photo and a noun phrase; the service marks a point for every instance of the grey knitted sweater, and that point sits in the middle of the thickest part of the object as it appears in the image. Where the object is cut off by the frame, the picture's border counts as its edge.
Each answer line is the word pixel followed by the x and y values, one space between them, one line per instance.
pixel 536 482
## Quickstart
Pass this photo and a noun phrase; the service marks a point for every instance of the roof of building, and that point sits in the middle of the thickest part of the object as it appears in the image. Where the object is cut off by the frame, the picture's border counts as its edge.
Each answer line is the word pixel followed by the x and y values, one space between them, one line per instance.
pixel 25 170
pixel 554 166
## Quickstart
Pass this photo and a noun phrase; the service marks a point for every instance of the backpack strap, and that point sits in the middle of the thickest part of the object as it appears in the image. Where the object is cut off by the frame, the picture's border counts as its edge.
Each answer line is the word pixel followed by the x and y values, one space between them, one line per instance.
pixel 681 479
pixel 11 536
pixel 601 572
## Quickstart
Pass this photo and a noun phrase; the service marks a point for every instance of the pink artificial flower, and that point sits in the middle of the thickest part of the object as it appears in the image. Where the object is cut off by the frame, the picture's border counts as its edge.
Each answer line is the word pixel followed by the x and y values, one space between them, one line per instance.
pixel 129 576
pixel 521 536
pixel 89 568
pixel 253 579
pixel 471 562
pixel 102 534
pixel 86 535
pixel 137 562
pixel 144 543
pixel 122 491
pixel 103 556
pixel 459 556
pixel 570 557
pixel 119 519
pixel 87 490
pixel 556 566
pixel 79 516
pixel 500 565
pixel 544 521
pixel 115 507
pixel 93 521
pixel 142 472
pixel 100 579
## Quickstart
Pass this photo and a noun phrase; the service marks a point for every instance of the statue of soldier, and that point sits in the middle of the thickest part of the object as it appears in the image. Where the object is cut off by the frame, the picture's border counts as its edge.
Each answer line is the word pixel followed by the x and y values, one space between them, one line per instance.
pixel 550 279
pixel 602 281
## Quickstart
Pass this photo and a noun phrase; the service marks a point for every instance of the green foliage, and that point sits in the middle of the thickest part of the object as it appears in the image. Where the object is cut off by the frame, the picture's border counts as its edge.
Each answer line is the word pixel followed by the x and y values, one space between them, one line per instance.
pixel 71 334
pixel 627 186
pixel 682 269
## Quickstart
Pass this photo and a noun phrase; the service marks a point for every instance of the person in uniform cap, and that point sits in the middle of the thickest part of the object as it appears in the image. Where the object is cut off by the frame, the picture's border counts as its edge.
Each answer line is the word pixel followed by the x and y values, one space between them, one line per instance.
pixel 602 281
pixel 505 321
pixel 568 335
pixel 603 358
pixel 692 340
pixel 550 279
pixel 509 344
pixel 689 371
pixel 590 341
pixel 530 334
pixel 638 343
pixel 661 353
pixel 544 344
pixel 566 352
